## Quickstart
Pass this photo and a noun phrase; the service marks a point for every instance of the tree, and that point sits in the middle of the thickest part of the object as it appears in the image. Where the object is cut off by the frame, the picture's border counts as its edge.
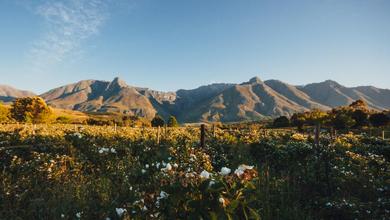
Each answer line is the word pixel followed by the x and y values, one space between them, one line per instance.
pixel 158 121
pixel 361 118
pixel 342 119
pixel 172 122
pixel 31 110
pixel 379 120
pixel 4 113
pixel 298 120
pixel 281 122
pixel 359 104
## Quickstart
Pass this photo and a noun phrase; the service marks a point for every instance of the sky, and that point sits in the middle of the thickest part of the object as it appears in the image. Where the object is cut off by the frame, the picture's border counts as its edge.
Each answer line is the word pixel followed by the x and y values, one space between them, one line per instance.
pixel 173 44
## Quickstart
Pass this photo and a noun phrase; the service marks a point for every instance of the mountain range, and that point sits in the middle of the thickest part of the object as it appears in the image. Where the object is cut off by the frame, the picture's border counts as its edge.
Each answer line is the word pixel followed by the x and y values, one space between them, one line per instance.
pixel 251 100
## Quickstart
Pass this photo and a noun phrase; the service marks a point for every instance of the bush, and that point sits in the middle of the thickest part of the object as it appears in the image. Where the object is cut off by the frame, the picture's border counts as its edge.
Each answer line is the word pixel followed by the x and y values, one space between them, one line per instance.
pixel 281 122
pixel 4 113
pixel 379 119
pixel 31 110
pixel 158 121
pixel 172 122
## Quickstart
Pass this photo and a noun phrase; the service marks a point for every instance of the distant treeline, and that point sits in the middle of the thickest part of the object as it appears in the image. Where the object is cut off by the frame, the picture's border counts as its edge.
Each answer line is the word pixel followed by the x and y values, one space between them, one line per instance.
pixel 356 115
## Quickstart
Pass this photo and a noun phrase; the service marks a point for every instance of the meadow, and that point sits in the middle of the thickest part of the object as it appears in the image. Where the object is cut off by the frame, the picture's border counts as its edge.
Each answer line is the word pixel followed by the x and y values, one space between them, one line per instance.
pixel 101 172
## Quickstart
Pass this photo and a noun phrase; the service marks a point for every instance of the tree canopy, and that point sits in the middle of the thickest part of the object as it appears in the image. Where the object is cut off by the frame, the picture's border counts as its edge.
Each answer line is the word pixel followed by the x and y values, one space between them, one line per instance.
pixel 31 110
pixel 158 121
pixel 172 122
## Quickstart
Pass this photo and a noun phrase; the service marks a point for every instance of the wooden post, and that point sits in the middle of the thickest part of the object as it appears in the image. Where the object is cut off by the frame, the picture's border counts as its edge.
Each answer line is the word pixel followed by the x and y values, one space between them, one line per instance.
pixel 115 127
pixel 331 133
pixel 317 135
pixel 383 134
pixel 158 135
pixel 202 135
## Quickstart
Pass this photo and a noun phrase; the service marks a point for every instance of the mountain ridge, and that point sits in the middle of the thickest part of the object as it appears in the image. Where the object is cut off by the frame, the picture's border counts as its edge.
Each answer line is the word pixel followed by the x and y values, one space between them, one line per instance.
pixel 227 102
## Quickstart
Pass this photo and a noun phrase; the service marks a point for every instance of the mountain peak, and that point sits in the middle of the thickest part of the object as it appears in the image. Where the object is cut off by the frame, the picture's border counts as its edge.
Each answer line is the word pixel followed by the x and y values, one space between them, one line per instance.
pixel 255 80
pixel 117 83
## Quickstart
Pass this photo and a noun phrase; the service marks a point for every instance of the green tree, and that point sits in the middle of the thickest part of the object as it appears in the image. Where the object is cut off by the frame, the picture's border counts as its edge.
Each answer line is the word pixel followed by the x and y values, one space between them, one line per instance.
pixel 361 118
pixel 298 120
pixel 158 121
pixel 341 118
pixel 4 113
pixel 379 119
pixel 281 122
pixel 31 110
pixel 172 122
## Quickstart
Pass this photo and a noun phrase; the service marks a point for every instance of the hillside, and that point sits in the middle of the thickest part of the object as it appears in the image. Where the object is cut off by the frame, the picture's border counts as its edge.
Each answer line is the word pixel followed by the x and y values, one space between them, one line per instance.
pixel 8 93
pixel 224 102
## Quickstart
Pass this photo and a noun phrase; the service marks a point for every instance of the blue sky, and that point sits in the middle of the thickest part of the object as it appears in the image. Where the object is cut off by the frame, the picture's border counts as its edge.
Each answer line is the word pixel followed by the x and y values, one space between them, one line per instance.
pixel 172 44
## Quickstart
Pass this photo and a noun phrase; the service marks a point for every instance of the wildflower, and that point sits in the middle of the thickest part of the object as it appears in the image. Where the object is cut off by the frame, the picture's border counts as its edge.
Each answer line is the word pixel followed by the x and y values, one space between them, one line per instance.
pixel 143 171
pixel 241 169
pixel 113 151
pixel 120 211
pixel 225 171
pixel 224 202
pixel 78 215
pixel 168 167
pixel 147 166
pixel 62 216
pixel 204 174
pixel 163 195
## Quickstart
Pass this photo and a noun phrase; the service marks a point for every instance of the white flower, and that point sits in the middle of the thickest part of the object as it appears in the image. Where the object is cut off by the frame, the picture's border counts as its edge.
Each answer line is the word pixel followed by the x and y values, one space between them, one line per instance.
pixel 62 216
pixel 212 182
pixel 163 195
pixel 78 215
pixel 120 211
pixel 144 208
pixel 241 169
pixel 143 171
pixel 175 165
pixel 100 151
pixel 168 167
pixel 225 171
pixel 113 151
pixel 204 174
pixel 147 166
pixel 221 200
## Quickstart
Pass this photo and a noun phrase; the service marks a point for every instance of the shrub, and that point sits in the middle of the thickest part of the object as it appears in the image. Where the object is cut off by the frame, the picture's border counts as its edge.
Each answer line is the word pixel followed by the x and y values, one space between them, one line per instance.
pixel 281 122
pixel 172 122
pixel 379 119
pixel 31 110
pixel 158 121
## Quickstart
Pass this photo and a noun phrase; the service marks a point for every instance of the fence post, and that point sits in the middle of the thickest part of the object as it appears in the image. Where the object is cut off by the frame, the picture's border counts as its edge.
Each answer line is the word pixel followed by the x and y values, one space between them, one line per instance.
pixel 158 135
pixel 317 135
pixel 202 135
pixel 383 134
pixel 115 127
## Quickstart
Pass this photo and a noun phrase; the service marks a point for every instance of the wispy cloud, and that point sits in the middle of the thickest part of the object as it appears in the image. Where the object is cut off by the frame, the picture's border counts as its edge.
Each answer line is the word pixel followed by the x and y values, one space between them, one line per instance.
pixel 68 24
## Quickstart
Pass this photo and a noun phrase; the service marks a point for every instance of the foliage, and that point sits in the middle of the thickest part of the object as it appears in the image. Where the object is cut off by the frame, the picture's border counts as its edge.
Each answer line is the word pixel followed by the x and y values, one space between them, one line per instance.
pixel 298 120
pixel 281 122
pixel 4 113
pixel 342 119
pixel 96 172
pixel 172 122
pixel 379 119
pixel 157 121
pixel 360 117
pixel 31 110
